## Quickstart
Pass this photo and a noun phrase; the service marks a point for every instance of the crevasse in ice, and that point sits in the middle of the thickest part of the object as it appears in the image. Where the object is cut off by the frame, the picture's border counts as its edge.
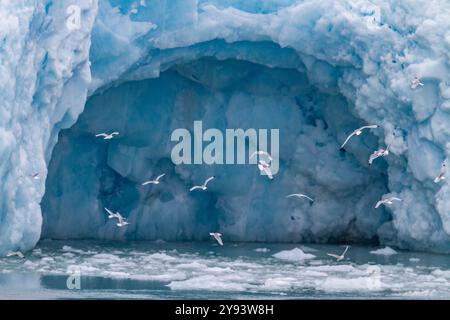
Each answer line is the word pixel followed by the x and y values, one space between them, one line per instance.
pixel 315 70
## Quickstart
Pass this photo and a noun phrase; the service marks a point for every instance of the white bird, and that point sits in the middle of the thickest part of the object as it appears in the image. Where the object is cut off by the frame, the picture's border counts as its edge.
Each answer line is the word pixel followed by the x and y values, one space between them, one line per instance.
pixel 416 82
pixel 261 153
pixel 217 236
pixel 386 201
pixel 338 258
pixel 441 175
pixel 203 186
pixel 357 132
pixel 122 221
pixel 112 215
pixel 265 167
pixel 300 195
pixel 15 253
pixel 156 181
pixel 107 136
pixel 378 153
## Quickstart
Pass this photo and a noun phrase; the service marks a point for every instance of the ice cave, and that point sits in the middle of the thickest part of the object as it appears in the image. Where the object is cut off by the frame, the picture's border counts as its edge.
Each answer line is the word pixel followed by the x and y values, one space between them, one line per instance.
pixel 314 70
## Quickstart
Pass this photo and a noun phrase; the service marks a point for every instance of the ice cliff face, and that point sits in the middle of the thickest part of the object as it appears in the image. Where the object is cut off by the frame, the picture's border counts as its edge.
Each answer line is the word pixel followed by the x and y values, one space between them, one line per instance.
pixel 315 70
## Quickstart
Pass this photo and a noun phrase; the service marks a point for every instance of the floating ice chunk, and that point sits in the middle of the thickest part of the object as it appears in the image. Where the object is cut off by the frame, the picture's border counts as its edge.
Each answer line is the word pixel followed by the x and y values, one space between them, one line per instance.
pixel 335 284
pixel 104 258
pixel 441 273
pixel 159 256
pixel 278 284
pixel 387 251
pixel 295 254
pixel 70 249
pixel 192 266
pixel 208 282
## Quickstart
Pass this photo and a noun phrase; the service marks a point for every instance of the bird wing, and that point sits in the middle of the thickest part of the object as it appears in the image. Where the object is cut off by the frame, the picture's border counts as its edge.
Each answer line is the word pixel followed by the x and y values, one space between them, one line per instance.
pixel 147 182
pixel 333 255
pixel 261 152
pixel 345 251
pixel 16 253
pixel 253 154
pixel 268 172
pixel 372 126
pixel 305 196
pixel 388 146
pixel 266 154
pixel 348 138
pixel 208 180
pixel 194 188
pixel 396 199
pixel 293 195
pixel 218 238
pixel 109 211
pixel 160 176
pixel 114 133
pixel 101 135
pixel 120 217
pixel 443 169
pixel 373 156
pixel 379 203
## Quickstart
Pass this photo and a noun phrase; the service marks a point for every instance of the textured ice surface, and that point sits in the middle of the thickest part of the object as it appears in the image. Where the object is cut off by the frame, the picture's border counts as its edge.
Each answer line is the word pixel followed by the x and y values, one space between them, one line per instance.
pixel 204 270
pixel 316 70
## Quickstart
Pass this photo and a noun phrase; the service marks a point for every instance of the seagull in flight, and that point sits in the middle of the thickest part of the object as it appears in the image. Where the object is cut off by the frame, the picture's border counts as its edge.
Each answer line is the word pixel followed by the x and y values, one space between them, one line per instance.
pixel 259 153
pixel 203 186
pixel 386 201
pixel 300 195
pixel 265 167
pixel 156 181
pixel 378 153
pixel 122 221
pixel 217 236
pixel 357 132
pixel 416 83
pixel 112 215
pixel 441 175
pixel 107 136
pixel 341 257
pixel 15 253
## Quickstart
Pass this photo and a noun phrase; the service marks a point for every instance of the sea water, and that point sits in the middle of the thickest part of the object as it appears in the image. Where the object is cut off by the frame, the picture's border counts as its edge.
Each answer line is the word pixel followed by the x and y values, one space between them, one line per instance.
pixel 174 270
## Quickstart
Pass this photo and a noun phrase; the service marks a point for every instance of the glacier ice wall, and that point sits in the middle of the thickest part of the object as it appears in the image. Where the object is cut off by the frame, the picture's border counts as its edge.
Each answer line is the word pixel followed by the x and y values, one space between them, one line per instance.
pixel 318 69
pixel 43 86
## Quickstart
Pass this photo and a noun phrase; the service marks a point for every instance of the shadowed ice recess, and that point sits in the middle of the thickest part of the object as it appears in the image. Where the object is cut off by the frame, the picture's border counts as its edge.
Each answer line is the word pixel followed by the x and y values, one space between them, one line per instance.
pixel 316 71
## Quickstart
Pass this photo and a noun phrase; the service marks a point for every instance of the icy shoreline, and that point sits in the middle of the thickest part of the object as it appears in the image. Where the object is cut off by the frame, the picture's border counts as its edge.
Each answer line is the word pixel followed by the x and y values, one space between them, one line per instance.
pixel 143 270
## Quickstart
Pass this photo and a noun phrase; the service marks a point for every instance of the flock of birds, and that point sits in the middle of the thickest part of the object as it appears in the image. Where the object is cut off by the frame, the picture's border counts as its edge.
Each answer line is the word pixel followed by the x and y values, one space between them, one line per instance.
pixel 264 166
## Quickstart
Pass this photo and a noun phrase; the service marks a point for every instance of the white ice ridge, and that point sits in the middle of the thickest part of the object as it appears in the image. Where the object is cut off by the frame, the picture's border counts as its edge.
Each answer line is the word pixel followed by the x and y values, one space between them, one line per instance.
pixel 363 55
